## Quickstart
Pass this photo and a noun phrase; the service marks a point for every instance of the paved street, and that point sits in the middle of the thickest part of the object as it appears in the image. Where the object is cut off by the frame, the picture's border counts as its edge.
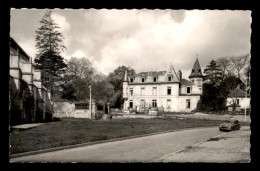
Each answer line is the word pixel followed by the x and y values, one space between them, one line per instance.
pixel 232 147
pixel 142 149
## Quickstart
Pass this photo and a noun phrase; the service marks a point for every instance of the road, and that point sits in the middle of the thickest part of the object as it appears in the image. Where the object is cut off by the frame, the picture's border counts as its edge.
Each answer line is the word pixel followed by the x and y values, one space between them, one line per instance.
pixel 232 147
pixel 142 149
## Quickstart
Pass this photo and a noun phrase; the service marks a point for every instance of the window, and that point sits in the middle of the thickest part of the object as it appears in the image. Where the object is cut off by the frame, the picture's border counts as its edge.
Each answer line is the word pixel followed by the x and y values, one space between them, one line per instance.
pixel 169 78
pixel 188 103
pixel 237 101
pixel 142 103
pixel 142 79
pixel 188 90
pixel 169 101
pixel 199 70
pixel 154 91
pixel 169 91
pixel 199 82
pixel 154 79
pixel 131 104
pixel 131 91
pixel 154 104
pixel 193 70
pixel 142 90
pixel 200 90
pixel 131 80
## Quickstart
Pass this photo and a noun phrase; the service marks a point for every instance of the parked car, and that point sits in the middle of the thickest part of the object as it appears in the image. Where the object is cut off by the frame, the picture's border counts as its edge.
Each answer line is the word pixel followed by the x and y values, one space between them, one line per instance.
pixel 230 125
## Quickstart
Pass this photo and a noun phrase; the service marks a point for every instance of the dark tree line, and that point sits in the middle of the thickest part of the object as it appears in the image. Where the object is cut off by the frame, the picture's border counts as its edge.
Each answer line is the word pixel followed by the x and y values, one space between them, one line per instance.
pixel 222 76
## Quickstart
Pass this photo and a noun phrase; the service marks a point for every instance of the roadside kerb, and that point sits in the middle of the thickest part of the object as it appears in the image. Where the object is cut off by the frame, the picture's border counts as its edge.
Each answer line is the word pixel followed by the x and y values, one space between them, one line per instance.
pixel 160 160
pixel 96 142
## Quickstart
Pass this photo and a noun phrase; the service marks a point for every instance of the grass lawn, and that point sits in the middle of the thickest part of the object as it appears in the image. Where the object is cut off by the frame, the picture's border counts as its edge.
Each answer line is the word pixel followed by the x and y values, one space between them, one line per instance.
pixel 74 131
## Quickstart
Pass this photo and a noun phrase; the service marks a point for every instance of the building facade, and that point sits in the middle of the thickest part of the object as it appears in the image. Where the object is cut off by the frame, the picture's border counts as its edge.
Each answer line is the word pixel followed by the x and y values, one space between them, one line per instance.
pixel 164 90
pixel 29 100
pixel 238 98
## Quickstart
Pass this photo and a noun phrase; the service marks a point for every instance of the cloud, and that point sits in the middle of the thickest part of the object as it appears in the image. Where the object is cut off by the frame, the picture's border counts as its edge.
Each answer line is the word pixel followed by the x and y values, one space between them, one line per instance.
pixel 64 27
pixel 150 40
pixel 61 21
pixel 28 45
pixel 78 54
pixel 160 40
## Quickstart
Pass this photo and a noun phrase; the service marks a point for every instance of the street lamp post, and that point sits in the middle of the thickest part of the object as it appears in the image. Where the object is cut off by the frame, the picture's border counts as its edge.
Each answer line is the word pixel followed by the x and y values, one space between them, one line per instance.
pixel 90 104
pixel 245 99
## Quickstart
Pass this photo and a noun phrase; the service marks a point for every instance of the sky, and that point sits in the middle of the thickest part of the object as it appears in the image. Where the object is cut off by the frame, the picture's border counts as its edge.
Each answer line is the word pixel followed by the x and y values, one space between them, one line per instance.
pixel 145 40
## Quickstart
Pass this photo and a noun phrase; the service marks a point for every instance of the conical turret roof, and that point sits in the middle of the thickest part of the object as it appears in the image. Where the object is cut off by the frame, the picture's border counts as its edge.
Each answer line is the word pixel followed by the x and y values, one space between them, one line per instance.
pixel 196 70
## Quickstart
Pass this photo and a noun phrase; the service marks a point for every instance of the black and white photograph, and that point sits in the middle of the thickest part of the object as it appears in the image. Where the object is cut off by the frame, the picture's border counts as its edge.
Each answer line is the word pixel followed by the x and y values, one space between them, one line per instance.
pixel 129 85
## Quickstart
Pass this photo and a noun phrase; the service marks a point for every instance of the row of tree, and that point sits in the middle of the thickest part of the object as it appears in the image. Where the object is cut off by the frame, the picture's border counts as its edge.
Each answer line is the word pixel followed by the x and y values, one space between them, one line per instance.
pixel 222 76
pixel 80 74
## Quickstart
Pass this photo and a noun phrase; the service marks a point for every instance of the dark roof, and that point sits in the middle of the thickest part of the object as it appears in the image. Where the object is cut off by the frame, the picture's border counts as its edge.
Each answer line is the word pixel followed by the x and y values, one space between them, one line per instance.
pixel 196 70
pixel 237 92
pixel 151 73
pixel 186 82
pixel 172 72
pixel 15 45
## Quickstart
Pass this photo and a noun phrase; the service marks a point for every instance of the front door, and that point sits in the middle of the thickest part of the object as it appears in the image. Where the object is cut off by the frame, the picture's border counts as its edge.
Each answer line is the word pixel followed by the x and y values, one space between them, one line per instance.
pixel 131 104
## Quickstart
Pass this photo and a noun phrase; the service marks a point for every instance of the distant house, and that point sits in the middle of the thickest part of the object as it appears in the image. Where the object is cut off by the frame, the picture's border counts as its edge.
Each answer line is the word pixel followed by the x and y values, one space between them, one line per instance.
pixel 29 100
pixel 163 90
pixel 239 99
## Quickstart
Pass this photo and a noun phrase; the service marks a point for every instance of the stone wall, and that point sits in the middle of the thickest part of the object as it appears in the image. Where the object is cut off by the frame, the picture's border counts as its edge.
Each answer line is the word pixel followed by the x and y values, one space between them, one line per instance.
pixel 67 109
pixel 63 109
pixel 126 116
pixel 240 118
pixel 82 113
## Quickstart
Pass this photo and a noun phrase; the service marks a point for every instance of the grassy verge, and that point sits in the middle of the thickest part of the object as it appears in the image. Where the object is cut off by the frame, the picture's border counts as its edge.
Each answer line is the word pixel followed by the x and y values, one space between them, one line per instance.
pixel 75 131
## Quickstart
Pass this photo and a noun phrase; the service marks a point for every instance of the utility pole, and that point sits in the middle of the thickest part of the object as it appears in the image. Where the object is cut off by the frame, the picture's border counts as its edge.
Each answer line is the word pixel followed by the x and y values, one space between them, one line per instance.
pixel 90 103
pixel 245 99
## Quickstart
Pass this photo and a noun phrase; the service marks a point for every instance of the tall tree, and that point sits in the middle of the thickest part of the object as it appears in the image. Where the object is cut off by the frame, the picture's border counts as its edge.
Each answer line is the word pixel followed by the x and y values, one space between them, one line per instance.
pixel 48 38
pixel 49 45
pixel 238 63
pixel 225 66
pixel 116 79
pixel 211 97
pixel 77 78
pixel 247 75
pixel 213 73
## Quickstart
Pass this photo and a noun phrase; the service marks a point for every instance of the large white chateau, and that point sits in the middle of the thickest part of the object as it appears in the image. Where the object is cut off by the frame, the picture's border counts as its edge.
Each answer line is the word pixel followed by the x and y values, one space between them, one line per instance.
pixel 166 90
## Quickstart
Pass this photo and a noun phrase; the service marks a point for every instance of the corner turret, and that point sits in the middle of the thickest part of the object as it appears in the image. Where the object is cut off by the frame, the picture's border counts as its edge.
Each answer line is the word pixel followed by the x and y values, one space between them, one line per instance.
pixel 196 70
pixel 125 87
pixel 196 75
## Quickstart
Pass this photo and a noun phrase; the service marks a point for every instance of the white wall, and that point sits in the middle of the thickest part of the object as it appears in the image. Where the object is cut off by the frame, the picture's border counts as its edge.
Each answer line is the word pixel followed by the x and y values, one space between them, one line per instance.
pixel 177 103
pixel 26 67
pixel 14 61
pixel 193 103
pixel 243 102
pixel 37 75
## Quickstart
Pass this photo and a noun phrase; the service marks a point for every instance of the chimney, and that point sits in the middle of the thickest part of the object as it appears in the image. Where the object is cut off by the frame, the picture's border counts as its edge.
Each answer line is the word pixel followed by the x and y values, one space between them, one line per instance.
pixel 180 75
